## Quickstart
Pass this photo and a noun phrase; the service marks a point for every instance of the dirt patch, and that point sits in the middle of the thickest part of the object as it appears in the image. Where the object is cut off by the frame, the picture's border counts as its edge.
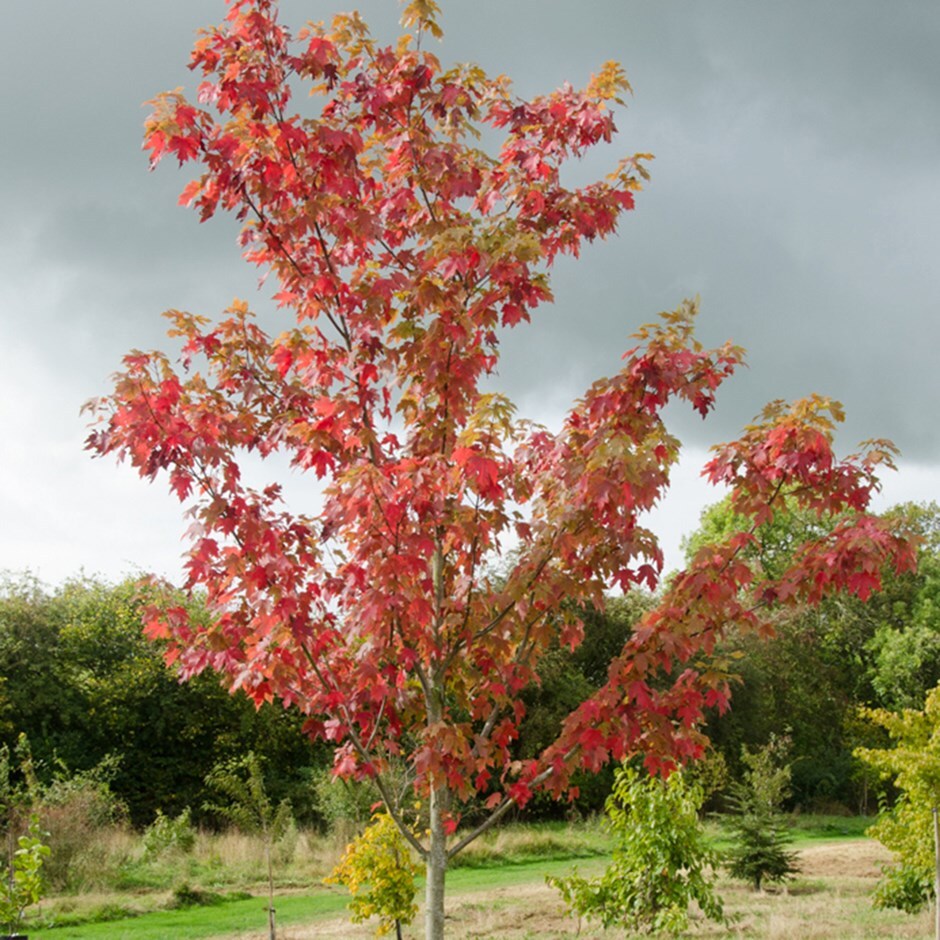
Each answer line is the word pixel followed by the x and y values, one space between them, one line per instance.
pixel 530 910
pixel 860 858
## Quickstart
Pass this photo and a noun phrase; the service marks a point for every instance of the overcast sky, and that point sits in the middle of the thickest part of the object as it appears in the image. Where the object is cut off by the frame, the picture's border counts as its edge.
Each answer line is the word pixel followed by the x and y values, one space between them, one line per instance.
pixel 796 188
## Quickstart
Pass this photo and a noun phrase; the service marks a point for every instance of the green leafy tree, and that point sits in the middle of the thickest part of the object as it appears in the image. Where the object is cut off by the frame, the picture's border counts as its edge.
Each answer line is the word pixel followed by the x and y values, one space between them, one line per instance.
pixel 760 852
pixel 249 807
pixel 906 646
pixel 22 884
pixel 343 803
pixel 169 836
pixel 379 874
pixel 661 861
pixel 907 663
pixel 913 764
pixel 805 674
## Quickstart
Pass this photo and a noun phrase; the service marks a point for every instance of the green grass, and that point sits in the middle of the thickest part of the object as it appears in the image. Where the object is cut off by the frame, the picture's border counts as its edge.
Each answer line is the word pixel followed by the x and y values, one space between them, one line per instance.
pixel 804 829
pixel 515 845
pixel 815 828
pixel 478 879
pixel 509 856
pixel 230 918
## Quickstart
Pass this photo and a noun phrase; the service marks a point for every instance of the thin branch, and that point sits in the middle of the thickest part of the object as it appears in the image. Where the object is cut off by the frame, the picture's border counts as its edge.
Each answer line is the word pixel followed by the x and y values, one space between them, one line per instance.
pixel 500 811
pixel 505 611
pixel 362 750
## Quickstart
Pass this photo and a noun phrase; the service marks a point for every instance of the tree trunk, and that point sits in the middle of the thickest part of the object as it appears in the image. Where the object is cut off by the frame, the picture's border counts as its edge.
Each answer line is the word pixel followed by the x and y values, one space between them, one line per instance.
pixel 272 932
pixel 936 882
pixel 436 867
pixel 439 797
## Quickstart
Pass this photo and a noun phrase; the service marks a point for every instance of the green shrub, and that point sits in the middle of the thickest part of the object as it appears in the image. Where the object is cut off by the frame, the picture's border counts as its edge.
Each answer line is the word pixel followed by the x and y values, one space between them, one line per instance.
pixel 73 808
pixel 184 896
pixel 103 914
pixel 76 809
pixel 341 802
pixel 166 835
pixel 661 860
pixel 22 883
pixel 904 889
pixel 913 764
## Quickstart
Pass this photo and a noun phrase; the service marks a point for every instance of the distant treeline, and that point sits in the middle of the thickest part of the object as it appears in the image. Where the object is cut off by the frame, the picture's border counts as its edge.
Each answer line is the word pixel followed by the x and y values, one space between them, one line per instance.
pixel 78 678
pixel 808 681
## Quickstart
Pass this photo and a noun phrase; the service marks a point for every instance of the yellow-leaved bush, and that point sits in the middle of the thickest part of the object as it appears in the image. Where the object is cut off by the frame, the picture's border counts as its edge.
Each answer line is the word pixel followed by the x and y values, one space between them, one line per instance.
pixel 379 873
pixel 913 763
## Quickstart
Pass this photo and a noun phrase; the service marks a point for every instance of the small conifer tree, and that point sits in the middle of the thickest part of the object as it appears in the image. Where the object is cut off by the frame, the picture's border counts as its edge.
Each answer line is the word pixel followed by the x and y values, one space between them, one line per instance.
pixel 760 852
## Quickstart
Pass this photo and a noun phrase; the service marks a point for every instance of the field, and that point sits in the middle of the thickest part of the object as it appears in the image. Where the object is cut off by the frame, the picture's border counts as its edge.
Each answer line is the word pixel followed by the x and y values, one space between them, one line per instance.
pixel 499 892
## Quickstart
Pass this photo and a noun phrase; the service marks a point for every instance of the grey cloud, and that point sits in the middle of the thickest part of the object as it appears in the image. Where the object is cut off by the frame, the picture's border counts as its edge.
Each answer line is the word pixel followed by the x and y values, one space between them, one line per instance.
pixel 796 188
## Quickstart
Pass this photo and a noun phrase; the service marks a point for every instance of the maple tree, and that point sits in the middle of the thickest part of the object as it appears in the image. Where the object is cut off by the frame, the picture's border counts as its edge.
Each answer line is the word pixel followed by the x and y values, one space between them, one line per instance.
pixel 401 250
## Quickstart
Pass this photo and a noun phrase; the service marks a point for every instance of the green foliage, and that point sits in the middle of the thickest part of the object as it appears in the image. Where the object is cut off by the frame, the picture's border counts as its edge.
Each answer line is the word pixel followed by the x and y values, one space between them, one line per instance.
pixel 82 682
pixel 710 774
pixel 820 665
pixel 22 882
pixel 913 764
pixel 91 788
pixel 904 889
pixel 169 836
pixel 75 808
pixel 905 647
pixel 185 896
pixel 72 808
pixel 379 874
pixel 99 914
pixel 906 663
pixel 661 859
pixel 778 539
pixel 338 800
pixel 522 844
pixel 759 830
pixel 247 804
pixel 806 678
pixel 14 796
